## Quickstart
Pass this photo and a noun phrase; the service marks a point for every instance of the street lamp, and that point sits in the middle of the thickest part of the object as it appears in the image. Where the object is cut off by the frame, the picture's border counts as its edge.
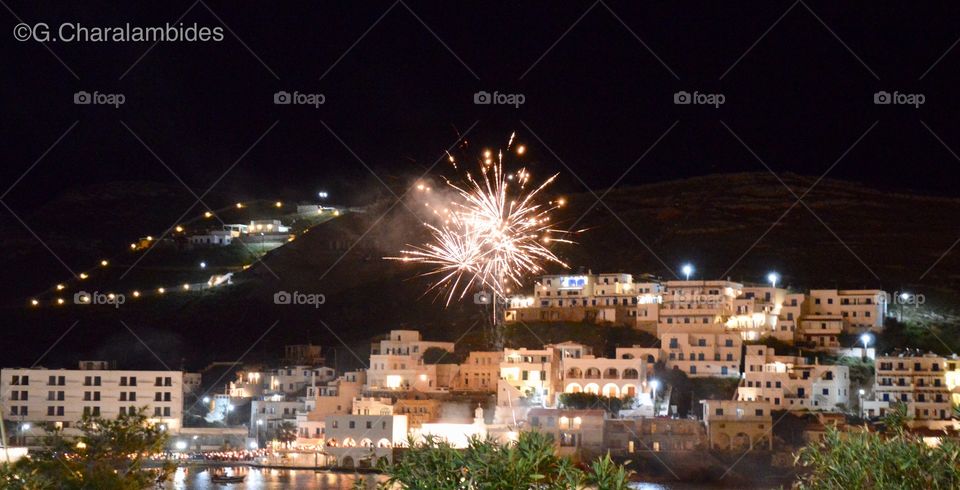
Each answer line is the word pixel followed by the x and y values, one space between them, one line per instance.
pixel 322 195
pixel 654 384
pixel 203 265
pixel 865 338
pixel 773 277
pixel 904 297
pixel 687 269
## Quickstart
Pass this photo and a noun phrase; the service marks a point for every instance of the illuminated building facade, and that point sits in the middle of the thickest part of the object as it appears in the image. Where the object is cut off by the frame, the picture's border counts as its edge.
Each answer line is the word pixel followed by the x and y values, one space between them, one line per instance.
pixel 58 398
pixel 791 383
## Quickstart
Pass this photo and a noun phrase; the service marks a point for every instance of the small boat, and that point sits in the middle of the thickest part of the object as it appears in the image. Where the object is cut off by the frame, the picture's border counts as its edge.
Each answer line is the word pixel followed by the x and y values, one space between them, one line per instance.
pixel 227 478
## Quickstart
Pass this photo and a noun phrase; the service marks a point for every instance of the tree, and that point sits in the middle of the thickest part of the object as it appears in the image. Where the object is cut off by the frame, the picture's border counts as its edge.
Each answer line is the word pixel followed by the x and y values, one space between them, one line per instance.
pixel 586 401
pixel 895 459
pixel 109 454
pixel 529 463
pixel 436 355
pixel 286 432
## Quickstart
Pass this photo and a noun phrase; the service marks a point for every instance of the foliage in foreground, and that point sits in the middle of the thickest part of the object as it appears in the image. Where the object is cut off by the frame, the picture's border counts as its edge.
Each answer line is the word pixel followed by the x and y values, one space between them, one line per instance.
pixel 896 460
pixel 529 463
pixel 110 455
pixel 586 401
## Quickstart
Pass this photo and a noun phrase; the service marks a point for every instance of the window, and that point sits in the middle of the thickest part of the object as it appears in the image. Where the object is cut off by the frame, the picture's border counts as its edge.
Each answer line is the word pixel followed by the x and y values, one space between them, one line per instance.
pixel 719 411
pixel 167 381
pixel 156 412
pixel 826 391
pixel 158 381
pixel 166 396
pixel 369 424
pixel 759 412
pixel 353 425
pixel 166 411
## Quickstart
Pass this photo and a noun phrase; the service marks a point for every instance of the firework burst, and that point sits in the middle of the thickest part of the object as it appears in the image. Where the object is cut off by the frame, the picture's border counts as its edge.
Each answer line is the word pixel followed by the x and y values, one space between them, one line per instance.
pixel 491 233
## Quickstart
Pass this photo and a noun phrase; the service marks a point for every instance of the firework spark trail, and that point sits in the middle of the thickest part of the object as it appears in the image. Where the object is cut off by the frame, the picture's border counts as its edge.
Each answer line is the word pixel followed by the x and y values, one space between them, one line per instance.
pixel 493 233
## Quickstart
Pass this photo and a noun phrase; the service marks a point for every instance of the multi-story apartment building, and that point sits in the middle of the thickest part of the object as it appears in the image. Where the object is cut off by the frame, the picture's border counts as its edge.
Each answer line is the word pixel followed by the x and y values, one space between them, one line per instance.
pixel 268 414
pixel 534 373
pixel 697 306
pixel 331 398
pixel 287 380
pixel 479 372
pixel 396 363
pixel 860 309
pixel 791 383
pixel 821 331
pixel 58 398
pixel 613 297
pixel 702 354
pixel 738 424
pixel 617 377
pixel 571 430
pixel 918 380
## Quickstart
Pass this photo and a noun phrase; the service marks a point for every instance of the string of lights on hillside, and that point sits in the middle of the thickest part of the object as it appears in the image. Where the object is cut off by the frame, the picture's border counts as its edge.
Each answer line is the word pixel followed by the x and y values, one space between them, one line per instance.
pixel 144 244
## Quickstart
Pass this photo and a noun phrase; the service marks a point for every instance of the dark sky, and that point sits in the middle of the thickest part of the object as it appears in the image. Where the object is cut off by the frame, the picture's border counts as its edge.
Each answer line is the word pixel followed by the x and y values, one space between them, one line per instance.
pixel 399 80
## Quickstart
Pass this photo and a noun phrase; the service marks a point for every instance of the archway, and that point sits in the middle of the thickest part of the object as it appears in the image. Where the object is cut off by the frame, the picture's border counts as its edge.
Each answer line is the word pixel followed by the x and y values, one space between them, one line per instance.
pixel 631 373
pixel 366 442
pixel 740 441
pixel 347 462
pixel 721 441
pixel 611 390
pixel 592 373
pixel 573 388
pixel 611 373
pixel 592 388
pixel 628 390
pixel 383 443
pixel 349 442
pixel 574 373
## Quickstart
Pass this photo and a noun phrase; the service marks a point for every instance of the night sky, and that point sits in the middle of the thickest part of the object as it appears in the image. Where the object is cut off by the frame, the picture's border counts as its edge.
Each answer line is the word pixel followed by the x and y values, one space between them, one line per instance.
pixel 399 80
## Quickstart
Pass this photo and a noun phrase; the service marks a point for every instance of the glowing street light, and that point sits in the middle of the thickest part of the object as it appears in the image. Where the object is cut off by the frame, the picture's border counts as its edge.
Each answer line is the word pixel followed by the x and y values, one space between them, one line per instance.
pixel 208 215
pixel 34 302
pixel 687 270
pixel 60 287
pixel 521 150
pixel 136 294
pixel 322 195
pixel 179 229
pixel 203 264
pixel 181 445
pixel 239 205
pixel 654 384
pixel 773 277
pixel 104 263
pixel 865 338
pixel 83 275
pixel 186 287
pixel 278 204
pixel 59 301
pixel 206 399
pixel 161 290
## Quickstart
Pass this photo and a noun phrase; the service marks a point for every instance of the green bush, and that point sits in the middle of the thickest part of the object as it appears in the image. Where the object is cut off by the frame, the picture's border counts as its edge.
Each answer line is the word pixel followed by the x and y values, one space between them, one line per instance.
pixel 896 459
pixel 528 463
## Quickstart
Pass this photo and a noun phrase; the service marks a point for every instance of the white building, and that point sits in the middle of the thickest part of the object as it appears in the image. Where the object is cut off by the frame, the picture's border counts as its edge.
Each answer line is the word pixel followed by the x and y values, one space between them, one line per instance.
pixel 925 382
pixel 737 424
pixel 58 398
pixel 702 354
pixel 396 363
pixel 359 441
pixel 860 309
pixel 791 383
pixel 533 373
pixel 287 380
pixel 217 238
pixel 821 331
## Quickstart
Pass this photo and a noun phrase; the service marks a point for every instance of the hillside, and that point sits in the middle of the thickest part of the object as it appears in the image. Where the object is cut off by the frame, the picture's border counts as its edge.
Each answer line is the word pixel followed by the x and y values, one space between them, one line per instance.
pixel 716 222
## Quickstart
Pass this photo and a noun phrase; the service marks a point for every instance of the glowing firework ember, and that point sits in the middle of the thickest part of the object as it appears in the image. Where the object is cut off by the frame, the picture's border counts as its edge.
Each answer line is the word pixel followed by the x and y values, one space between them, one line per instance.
pixel 491 234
